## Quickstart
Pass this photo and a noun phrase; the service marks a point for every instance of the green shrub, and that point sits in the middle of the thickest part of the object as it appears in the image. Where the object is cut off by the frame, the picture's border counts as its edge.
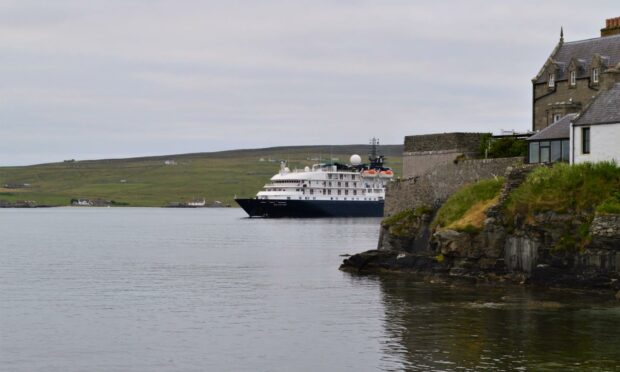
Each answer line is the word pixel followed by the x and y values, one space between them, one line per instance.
pixel 506 147
pixel 460 202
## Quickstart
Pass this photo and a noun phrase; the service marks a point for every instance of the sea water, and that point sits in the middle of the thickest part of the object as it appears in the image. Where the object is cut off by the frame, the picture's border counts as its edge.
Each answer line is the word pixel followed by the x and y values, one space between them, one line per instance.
pixel 148 289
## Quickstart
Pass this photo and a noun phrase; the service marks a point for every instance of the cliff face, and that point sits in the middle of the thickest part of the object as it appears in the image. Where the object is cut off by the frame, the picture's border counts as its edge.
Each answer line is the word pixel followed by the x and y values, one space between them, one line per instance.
pixel 545 248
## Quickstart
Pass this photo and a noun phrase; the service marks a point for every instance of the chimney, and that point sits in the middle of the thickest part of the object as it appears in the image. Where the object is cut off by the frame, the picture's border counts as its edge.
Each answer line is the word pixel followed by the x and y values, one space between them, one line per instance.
pixel 612 27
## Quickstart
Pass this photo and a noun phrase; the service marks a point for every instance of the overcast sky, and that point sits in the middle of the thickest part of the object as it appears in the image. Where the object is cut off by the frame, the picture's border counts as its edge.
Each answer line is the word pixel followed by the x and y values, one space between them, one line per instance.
pixel 89 79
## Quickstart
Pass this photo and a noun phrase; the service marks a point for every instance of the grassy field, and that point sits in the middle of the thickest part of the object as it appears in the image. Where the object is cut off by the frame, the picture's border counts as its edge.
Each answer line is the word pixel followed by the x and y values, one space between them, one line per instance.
pixel 150 182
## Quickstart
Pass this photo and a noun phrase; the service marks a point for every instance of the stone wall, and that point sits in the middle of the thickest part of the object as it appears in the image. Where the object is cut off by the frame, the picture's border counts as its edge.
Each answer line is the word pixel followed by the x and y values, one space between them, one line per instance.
pixel 443 141
pixel 425 152
pixel 436 185
pixel 605 230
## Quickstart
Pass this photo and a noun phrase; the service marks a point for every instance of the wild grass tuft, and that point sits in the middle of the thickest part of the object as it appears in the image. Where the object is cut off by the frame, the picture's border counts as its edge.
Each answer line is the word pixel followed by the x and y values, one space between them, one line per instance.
pixel 471 196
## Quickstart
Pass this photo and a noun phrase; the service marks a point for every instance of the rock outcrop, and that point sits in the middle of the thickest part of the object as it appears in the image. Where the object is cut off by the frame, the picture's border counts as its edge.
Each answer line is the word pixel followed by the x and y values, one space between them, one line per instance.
pixel 553 249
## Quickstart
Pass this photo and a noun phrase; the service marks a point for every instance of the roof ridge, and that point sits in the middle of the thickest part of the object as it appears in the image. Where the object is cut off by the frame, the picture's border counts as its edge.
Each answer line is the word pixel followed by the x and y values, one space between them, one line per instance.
pixel 593 38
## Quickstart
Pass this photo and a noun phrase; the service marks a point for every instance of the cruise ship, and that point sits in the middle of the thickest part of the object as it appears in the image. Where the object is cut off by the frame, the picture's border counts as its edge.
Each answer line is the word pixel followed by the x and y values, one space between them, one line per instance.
pixel 324 190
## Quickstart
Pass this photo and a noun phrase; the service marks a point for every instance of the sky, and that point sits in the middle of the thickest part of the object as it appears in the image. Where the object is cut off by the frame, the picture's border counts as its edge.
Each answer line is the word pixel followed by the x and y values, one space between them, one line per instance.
pixel 91 79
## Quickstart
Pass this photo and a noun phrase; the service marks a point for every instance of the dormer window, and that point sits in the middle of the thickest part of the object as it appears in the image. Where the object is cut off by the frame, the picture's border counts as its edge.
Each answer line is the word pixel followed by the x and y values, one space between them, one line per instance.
pixel 573 78
pixel 551 80
pixel 595 75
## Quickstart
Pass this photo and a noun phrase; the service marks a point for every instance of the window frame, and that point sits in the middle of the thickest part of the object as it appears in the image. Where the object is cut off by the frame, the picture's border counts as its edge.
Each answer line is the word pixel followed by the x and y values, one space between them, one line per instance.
pixel 536 149
pixel 573 78
pixel 586 140
pixel 551 80
pixel 595 75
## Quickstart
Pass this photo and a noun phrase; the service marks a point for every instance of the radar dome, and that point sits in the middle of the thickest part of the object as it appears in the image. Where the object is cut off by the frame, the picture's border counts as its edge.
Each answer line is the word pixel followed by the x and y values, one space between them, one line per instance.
pixel 355 159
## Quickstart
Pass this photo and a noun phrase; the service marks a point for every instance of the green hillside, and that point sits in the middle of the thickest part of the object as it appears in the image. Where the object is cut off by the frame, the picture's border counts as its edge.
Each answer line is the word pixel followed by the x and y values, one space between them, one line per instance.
pixel 148 181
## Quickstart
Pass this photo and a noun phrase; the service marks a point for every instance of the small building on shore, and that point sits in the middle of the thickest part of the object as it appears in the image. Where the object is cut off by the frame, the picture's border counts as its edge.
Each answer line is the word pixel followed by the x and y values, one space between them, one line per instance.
pixel 595 134
pixel 551 144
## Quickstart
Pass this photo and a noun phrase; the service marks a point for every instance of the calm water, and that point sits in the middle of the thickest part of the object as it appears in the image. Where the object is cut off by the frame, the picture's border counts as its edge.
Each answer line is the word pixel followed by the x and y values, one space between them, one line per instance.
pixel 208 290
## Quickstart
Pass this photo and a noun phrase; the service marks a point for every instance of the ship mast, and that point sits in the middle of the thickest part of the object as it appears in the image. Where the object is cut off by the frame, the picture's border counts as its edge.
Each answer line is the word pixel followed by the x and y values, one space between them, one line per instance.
pixel 376 161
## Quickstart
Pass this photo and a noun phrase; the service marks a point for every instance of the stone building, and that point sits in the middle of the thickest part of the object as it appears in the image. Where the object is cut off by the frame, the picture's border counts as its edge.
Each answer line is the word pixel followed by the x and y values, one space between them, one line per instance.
pixel 425 152
pixel 574 74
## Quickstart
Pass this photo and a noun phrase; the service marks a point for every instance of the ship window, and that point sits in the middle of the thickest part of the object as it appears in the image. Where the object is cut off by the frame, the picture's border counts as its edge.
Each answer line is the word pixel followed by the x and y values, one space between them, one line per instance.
pixel 354 192
pixel 329 192
pixel 339 192
pixel 346 192
pixel 346 184
pixel 311 191
pixel 339 184
pixel 341 176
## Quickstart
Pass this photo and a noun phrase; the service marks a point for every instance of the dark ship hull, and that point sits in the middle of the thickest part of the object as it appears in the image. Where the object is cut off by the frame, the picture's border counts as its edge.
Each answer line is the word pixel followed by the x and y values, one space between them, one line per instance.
pixel 311 208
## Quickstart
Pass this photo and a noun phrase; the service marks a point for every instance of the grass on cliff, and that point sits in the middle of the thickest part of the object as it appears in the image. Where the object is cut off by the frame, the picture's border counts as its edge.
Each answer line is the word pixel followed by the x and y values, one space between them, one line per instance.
pixel 405 223
pixel 611 205
pixel 573 189
pixel 465 209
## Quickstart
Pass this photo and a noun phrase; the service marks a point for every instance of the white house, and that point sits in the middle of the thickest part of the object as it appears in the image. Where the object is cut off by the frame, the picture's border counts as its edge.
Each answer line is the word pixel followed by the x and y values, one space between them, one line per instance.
pixel 595 134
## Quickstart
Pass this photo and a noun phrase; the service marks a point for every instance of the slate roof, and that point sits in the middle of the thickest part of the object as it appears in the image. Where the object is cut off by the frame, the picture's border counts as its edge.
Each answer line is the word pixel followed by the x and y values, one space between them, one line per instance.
pixel 604 109
pixel 583 52
pixel 558 130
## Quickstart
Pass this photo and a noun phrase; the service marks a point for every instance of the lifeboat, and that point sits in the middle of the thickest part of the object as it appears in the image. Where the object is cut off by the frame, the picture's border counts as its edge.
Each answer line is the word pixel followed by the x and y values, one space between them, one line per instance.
pixel 386 173
pixel 369 173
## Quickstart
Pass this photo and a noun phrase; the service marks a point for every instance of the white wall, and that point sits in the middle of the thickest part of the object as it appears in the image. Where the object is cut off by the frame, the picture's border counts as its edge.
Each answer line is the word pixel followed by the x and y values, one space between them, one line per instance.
pixel 604 144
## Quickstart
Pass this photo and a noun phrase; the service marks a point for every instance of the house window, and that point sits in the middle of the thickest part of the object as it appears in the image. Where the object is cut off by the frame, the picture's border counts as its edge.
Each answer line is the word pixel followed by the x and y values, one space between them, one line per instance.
pixel 551 80
pixel 556 117
pixel 556 151
pixel 534 154
pixel 573 78
pixel 565 150
pixel 585 140
pixel 545 152
pixel 595 75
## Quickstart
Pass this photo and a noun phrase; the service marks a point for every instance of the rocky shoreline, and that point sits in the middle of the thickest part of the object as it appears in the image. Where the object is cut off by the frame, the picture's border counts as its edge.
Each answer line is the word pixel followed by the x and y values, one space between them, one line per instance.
pixel 538 252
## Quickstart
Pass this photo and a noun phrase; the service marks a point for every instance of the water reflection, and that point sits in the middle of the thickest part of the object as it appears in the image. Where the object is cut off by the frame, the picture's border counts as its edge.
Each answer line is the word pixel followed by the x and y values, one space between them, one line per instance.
pixel 441 327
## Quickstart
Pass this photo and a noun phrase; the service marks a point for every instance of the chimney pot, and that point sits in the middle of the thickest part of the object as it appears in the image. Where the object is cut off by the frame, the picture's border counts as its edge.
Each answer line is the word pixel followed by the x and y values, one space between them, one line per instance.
pixel 612 27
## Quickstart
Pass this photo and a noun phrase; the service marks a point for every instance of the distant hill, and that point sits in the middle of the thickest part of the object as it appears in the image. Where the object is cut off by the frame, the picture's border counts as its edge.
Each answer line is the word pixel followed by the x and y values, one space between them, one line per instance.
pixel 158 180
